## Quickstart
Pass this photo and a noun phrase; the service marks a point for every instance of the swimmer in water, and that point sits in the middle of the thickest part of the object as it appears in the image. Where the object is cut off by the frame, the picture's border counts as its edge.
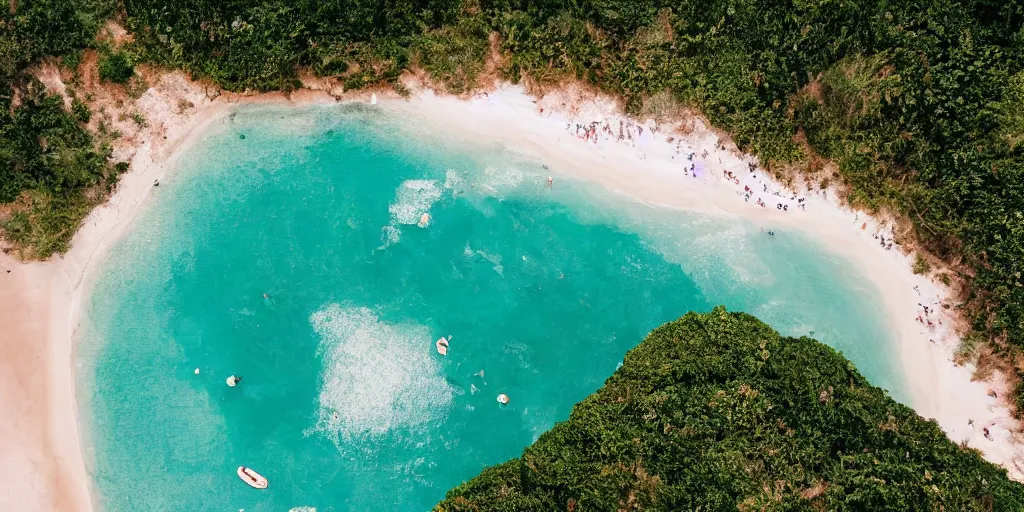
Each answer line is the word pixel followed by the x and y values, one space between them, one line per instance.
pixel 266 295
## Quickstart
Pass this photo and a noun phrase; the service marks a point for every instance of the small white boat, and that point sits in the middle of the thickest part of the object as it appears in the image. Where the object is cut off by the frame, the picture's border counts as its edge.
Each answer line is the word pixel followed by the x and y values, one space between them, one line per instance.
pixel 252 478
pixel 442 345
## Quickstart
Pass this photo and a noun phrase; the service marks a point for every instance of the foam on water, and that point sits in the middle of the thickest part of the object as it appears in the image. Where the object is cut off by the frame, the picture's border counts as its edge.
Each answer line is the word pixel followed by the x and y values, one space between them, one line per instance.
pixel 455 182
pixel 377 376
pixel 502 181
pixel 714 247
pixel 413 198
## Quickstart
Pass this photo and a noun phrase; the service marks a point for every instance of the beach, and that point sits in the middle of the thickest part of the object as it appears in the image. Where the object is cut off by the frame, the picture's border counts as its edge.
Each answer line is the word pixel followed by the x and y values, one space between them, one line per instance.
pixel 968 411
pixel 41 303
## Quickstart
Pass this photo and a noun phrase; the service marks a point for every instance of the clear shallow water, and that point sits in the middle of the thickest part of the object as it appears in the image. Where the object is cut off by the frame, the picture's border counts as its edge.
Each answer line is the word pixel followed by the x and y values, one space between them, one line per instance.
pixel 344 403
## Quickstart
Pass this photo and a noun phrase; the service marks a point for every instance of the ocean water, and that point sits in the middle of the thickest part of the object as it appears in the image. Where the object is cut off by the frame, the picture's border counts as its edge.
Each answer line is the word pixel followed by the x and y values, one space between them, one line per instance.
pixel 344 403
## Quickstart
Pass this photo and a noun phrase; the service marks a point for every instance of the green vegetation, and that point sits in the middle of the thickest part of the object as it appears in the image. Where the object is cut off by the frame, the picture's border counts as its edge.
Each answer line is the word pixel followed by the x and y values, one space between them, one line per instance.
pixel 50 166
pixel 116 66
pixel 921 265
pixel 717 411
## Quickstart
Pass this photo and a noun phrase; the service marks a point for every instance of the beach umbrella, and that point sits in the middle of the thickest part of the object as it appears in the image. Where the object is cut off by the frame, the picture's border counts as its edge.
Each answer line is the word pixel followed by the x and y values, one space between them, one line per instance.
pixel 698 168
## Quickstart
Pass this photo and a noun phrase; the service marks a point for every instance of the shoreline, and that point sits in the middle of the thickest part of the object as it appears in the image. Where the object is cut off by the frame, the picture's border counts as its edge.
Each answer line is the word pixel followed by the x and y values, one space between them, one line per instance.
pixel 653 170
pixel 508 116
pixel 48 438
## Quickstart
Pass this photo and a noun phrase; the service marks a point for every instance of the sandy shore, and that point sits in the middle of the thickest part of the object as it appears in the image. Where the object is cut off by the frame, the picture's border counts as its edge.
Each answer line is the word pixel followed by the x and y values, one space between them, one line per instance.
pixel 646 166
pixel 41 303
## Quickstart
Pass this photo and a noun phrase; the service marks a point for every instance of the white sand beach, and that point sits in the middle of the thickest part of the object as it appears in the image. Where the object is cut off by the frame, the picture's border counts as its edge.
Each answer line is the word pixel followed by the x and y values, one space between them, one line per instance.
pixel 41 303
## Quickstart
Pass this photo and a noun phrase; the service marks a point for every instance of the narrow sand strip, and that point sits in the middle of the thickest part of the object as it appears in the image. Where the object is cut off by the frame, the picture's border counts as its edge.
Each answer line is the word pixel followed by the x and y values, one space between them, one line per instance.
pixel 41 303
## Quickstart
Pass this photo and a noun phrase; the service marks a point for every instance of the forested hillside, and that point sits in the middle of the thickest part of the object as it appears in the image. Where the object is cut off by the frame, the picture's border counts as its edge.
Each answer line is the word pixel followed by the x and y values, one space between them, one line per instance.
pixel 50 166
pixel 716 411
pixel 919 104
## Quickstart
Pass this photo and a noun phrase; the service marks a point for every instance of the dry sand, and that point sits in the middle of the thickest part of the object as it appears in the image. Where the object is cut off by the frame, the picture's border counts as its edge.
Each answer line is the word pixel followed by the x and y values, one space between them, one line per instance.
pixel 40 303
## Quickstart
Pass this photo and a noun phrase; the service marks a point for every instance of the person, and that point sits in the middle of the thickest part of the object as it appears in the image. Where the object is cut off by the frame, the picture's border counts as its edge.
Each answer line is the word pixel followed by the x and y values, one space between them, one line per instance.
pixel 156 183
pixel 266 295
pixel 550 181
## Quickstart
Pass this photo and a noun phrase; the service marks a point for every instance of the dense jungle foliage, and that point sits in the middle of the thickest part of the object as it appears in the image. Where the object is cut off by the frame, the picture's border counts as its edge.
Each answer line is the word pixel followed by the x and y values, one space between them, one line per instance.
pixel 50 165
pixel 716 411
pixel 920 103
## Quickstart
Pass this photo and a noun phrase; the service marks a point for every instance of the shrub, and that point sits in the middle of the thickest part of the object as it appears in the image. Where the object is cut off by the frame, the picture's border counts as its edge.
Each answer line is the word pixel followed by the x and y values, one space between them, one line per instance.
pixel 80 110
pixel 115 66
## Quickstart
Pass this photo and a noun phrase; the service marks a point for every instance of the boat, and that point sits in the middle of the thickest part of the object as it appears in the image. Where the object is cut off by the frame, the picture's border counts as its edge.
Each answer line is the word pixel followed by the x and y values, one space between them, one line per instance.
pixel 442 345
pixel 252 478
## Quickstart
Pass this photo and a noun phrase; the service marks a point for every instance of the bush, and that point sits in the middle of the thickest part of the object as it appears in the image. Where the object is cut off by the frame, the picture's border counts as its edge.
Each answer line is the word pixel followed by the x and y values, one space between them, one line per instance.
pixel 116 67
pixel 921 265
pixel 80 110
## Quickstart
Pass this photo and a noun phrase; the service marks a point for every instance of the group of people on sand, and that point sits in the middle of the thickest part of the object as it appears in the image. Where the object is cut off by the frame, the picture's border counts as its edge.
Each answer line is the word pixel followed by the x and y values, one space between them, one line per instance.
pixel 924 318
pixel 636 134
pixel 765 196
pixel 881 240
pixel 985 430
pixel 591 132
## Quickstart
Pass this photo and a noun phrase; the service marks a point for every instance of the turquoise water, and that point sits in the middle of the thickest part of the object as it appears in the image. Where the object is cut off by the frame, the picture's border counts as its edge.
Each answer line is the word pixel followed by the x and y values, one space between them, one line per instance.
pixel 344 403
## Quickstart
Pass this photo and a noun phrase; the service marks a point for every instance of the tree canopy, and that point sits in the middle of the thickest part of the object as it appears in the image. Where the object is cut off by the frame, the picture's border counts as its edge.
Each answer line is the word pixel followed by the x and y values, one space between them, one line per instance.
pixel 717 411
pixel 48 160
